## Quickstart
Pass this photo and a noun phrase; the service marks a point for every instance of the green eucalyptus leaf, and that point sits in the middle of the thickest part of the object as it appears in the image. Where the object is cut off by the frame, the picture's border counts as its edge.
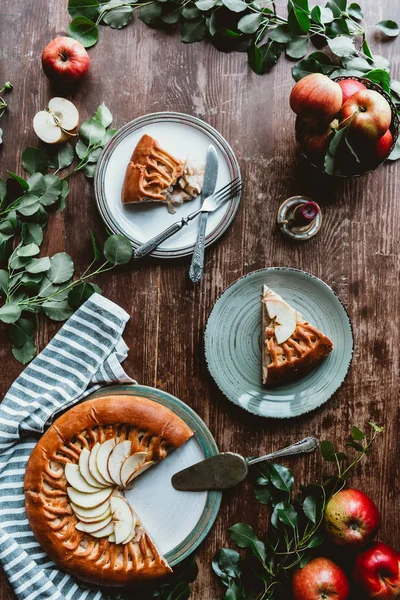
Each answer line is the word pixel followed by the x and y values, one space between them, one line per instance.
pixel 281 34
pixel 205 5
pixel 172 14
pixel 226 564
pixel 235 5
pixel 25 353
pixel 356 445
pixel 342 46
pixel 243 535
pixel 327 448
pixel 53 190
pixel 357 434
pixel 250 23
pixel 92 132
pixel 57 292
pixel 329 165
pixel 10 313
pixel 297 47
pixel 299 20
pixel 234 591
pixel 380 62
pixel 35 160
pixel 39 265
pixel 117 250
pixel 286 514
pixel 97 251
pixel 282 478
pixel 150 13
pixel 108 135
pixel 84 31
pixel 65 154
pixel 57 311
pixel 117 16
pixel 22 182
pixel 37 184
pixel 355 11
pixel 29 250
pixel 29 205
pixel 389 28
pixel 316 540
pixel 193 31
pixel 366 49
pixel 80 293
pixel 3 191
pixel 22 331
pixel 310 508
pixel 64 194
pixel 306 67
pixel 305 559
pixel 89 170
pixel 3 282
pixel 376 427
pixel 103 114
pixel 381 77
pixel 31 232
pixel 258 549
pixel 62 268
pixel 190 12
pixel 84 8
pixel 395 154
pixel 262 494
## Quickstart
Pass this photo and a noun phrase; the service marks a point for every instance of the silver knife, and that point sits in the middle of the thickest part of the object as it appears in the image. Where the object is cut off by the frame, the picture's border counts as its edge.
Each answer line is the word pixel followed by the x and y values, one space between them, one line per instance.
pixel 210 180
pixel 227 469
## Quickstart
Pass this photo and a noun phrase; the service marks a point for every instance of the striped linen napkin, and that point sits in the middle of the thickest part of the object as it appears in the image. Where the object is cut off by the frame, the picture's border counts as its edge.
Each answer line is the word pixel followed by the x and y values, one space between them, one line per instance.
pixel 83 356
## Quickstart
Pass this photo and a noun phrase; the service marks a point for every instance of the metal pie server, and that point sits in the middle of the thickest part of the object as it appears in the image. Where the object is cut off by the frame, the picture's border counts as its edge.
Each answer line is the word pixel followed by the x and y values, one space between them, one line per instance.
pixel 210 180
pixel 227 469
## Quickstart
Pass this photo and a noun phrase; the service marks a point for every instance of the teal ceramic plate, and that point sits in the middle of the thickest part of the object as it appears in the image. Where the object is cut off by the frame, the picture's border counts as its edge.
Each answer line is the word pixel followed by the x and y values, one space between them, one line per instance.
pixel 233 342
pixel 177 521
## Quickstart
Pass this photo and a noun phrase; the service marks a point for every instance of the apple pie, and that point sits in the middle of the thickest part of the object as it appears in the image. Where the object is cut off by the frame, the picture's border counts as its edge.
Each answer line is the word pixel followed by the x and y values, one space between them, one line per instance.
pixel 154 175
pixel 291 347
pixel 75 481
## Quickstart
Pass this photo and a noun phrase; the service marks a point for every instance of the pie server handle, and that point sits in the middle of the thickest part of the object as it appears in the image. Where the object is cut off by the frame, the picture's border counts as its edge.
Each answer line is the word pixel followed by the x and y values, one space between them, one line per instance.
pixel 309 444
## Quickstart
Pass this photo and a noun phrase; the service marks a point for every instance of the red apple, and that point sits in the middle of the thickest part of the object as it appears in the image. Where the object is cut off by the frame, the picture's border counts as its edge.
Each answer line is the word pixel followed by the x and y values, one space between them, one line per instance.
pixel 383 146
pixel 351 518
pixel 320 579
pixel 65 60
pixel 377 572
pixel 368 115
pixel 350 87
pixel 316 98
pixel 316 140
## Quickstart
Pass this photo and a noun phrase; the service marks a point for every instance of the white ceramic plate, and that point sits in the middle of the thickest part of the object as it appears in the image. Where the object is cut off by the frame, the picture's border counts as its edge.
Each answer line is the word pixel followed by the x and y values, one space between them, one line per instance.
pixel 181 135
pixel 233 342
pixel 177 521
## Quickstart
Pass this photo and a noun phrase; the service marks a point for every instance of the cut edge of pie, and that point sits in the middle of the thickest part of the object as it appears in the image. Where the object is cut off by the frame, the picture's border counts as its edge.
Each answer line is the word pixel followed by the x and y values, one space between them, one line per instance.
pixel 150 428
pixel 154 175
pixel 291 346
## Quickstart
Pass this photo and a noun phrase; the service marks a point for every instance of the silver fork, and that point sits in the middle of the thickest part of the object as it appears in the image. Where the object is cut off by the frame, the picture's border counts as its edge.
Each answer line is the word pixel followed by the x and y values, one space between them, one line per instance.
pixel 210 204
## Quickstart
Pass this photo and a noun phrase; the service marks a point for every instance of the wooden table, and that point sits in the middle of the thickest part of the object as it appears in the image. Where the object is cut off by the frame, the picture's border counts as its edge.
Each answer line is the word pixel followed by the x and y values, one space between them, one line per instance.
pixel 140 70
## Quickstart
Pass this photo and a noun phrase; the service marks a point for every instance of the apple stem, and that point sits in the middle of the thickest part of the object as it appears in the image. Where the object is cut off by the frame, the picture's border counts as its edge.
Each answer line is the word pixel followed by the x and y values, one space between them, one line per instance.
pixel 57 122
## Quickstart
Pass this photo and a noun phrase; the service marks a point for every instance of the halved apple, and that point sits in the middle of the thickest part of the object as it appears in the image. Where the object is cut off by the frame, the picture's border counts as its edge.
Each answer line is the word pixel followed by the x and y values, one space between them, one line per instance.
pixel 93 465
pixel 58 123
pixel 85 472
pixel 90 513
pixel 130 465
pixel 119 454
pixel 139 471
pixel 75 479
pixel 104 532
pixel 92 527
pixel 102 459
pixel 122 518
pixel 88 500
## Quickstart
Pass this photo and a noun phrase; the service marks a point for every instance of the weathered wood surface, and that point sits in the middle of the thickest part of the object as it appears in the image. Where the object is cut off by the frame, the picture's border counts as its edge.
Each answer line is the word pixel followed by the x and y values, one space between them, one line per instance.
pixel 140 70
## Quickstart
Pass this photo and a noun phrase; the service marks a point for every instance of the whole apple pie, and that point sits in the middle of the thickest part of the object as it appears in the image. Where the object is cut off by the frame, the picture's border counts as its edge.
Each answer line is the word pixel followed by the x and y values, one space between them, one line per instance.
pixel 75 481
pixel 154 175
pixel 291 347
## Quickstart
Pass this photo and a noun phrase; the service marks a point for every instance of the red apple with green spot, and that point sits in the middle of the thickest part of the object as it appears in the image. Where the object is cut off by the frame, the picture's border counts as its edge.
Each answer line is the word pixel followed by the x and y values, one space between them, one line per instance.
pixel 367 114
pixel 377 572
pixel 350 87
pixel 351 518
pixel 316 98
pixel 65 60
pixel 320 579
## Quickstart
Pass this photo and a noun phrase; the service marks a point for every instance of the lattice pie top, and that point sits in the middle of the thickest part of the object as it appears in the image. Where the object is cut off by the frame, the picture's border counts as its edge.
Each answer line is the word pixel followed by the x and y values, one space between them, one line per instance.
pixel 291 346
pixel 75 480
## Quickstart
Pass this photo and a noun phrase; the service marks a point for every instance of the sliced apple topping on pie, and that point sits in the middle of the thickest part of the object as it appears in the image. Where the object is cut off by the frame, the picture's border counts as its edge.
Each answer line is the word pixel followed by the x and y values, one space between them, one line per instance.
pixel 291 347
pixel 154 175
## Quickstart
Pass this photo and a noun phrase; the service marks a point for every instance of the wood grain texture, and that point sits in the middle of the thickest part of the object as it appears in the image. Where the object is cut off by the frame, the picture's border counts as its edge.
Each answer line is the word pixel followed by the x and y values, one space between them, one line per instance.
pixel 140 70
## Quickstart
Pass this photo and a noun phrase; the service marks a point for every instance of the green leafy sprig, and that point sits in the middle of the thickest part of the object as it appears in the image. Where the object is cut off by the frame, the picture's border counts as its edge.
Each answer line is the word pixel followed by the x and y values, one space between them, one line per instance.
pixel 7 87
pixel 296 524
pixel 31 284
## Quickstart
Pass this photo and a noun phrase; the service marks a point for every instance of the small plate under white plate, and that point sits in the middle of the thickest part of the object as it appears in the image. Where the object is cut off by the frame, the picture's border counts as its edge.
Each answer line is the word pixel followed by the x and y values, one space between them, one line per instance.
pixel 182 135
pixel 177 521
pixel 233 342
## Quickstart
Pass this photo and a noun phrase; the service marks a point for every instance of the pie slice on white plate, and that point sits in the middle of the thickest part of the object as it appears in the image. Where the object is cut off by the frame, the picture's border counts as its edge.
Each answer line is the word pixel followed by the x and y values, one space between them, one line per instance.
pixel 291 346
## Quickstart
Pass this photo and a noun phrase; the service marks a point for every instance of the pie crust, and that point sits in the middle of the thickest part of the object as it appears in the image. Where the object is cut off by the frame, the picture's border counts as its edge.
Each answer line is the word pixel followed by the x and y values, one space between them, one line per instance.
pixel 151 428
pixel 305 348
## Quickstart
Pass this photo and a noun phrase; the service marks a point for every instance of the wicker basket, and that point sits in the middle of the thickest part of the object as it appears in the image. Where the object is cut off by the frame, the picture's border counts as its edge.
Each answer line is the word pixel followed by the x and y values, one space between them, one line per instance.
pixel 394 128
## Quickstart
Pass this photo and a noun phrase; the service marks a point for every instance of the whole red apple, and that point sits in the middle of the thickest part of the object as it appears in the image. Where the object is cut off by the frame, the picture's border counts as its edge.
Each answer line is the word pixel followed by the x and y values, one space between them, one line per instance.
pixel 377 572
pixel 383 146
pixel 320 579
pixel 316 139
pixel 65 60
pixel 350 87
pixel 351 518
pixel 316 98
pixel 368 115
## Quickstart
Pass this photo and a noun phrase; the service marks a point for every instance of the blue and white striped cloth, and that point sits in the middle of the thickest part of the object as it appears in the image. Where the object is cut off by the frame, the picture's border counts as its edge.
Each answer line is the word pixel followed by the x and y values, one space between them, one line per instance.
pixel 83 356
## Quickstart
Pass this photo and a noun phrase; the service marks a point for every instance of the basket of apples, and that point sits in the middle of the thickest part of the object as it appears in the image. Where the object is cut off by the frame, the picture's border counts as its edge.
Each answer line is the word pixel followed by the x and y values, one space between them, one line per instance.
pixel 346 126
